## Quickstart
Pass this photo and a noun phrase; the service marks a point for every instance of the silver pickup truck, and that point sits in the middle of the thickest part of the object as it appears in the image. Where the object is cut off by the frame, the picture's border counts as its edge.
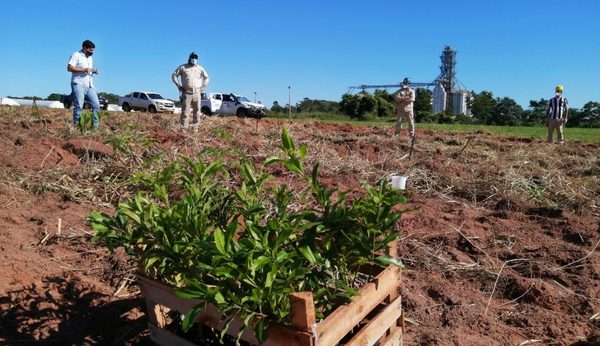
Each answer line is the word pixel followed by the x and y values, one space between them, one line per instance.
pixel 146 102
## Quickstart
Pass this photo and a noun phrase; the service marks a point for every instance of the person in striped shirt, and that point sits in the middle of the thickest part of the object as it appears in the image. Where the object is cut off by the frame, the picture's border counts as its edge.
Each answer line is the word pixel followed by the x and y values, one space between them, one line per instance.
pixel 557 115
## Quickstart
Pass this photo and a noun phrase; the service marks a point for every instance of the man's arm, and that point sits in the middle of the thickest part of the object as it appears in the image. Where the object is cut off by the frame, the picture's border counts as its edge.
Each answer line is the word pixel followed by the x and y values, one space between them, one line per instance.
pixel 72 68
pixel 175 79
pixel 205 78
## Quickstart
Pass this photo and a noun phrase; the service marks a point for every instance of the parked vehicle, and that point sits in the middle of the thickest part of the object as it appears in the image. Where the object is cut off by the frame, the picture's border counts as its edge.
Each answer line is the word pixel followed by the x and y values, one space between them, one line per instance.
pixel 146 102
pixel 231 104
pixel 67 100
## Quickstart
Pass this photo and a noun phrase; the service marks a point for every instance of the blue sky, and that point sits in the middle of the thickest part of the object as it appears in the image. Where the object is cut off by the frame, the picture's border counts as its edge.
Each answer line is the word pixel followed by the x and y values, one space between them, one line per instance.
pixel 514 48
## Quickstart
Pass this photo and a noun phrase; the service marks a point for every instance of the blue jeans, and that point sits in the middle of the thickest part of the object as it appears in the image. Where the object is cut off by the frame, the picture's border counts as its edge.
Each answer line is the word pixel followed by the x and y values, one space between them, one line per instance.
pixel 80 93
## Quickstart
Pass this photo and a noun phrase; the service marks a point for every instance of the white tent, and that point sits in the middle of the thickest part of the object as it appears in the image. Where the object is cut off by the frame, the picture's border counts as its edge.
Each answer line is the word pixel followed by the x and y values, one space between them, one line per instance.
pixel 114 108
pixel 40 103
pixel 8 102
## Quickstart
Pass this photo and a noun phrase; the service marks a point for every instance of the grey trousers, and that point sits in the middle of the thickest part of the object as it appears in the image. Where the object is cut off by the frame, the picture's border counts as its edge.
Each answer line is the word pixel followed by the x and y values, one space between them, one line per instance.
pixel 191 102
pixel 411 122
pixel 555 125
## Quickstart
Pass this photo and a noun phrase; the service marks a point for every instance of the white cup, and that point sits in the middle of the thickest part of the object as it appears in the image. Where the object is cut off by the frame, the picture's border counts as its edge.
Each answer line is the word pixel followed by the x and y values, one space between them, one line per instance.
pixel 398 182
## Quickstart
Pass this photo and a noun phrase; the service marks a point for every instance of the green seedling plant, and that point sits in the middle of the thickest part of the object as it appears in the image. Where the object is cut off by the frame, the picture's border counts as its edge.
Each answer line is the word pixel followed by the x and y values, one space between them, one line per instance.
pixel 86 121
pixel 231 241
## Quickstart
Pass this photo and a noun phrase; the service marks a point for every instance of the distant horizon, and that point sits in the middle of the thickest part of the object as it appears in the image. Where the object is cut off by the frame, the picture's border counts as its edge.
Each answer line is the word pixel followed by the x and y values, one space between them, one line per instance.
pixel 514 49
pixel 28 97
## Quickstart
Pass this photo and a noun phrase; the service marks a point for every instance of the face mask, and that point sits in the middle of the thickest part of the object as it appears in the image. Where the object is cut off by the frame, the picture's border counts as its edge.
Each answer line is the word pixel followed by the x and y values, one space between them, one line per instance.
pixel 558 94
pixel 193 61
pixel 88 53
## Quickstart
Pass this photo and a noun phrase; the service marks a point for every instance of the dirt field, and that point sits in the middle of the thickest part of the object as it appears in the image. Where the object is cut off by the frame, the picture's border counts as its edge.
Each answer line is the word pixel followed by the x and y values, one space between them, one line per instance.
pixel 501 235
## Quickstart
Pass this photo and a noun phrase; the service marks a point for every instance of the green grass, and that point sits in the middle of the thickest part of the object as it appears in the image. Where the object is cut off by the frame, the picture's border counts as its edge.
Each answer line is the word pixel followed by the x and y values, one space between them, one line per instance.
pixel 584 135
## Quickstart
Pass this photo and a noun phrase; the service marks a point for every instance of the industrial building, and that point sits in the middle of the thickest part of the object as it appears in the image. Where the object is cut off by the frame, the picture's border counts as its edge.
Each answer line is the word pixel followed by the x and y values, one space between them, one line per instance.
pixel 446 93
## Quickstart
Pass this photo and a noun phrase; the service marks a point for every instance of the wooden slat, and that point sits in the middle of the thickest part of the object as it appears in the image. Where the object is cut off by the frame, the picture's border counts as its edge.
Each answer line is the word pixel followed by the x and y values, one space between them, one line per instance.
pixel 394 339
pixel 156 294
pixel 285 336
pixel 164 295
pixel 392 250
pixel 377 327
pixel 302 310
pixel 331 330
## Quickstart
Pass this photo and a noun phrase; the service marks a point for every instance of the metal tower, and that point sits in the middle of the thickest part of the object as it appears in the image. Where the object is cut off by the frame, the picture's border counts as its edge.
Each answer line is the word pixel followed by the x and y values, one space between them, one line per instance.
pixel 447 75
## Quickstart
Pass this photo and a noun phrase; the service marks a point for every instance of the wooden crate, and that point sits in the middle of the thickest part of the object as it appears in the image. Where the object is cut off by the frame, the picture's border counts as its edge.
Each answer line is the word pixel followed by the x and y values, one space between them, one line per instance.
pixel 378 301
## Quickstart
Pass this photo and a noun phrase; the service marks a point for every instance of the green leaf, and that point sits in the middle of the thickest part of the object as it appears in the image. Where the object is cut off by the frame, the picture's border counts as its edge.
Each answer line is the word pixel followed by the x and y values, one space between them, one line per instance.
pixel 259 263
pixel 223 272
pixel 219 240
pixel 286 140
pixel 132 215
pixel 302 151
pixel 270 277
pixel 271 160
pixel 308 254
pixel 191 293
pixel 260 330
pixel 386 260
pixel 231 229
pixel 219 298
pixel 282 256
pixel 150 262
pixel 315 172
pixel 293 167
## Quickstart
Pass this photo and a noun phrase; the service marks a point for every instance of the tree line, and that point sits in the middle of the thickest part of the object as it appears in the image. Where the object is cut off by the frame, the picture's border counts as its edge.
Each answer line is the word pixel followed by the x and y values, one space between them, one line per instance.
pixel 485 108
pixel 111 98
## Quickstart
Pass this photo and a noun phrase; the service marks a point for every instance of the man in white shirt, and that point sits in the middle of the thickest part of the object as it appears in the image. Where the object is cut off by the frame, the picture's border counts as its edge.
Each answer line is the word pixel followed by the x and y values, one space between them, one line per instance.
pixel 194 80
pixel 81 66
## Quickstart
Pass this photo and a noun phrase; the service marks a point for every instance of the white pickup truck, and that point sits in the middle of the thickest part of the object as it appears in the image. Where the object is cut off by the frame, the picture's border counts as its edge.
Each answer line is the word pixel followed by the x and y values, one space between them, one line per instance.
pixel 231 104
pixel 146 102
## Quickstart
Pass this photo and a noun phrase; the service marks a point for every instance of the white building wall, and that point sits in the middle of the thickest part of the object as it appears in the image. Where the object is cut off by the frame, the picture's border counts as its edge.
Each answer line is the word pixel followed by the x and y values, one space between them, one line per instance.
pixel 439 99
pixel 459 103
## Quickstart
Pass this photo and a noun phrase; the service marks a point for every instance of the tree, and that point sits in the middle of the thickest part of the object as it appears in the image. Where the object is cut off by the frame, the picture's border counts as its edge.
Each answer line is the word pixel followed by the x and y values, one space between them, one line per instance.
pixel 588 116
pixel 384 95
pixel 483 107
pixel 506 112
pixel 536 112
pixel 367 104
pixel 423 100
pixel 386 105
pixel 306 105
pixel 53 97
pixel 276 107
pixel 423 104
pixel 350 104
pixel 313 106
pixel 111 98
